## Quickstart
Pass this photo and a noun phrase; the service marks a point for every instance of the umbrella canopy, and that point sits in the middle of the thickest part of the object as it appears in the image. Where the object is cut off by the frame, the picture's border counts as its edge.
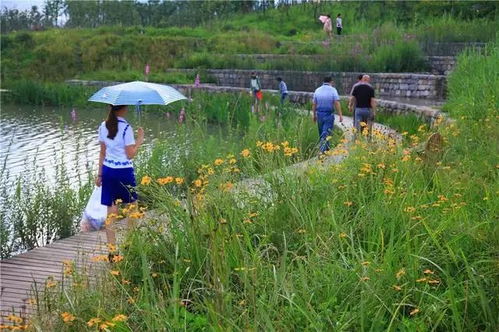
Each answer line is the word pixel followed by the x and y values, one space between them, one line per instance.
pixel 322 18
pixel 137 93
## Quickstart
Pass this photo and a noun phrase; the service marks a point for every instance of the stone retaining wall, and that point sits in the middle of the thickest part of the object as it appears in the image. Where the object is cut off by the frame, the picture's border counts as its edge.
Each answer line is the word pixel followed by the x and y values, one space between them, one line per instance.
pixel 303 97
pixel 438 65
pixel 298 97
pixel 386 84
pixel 441 65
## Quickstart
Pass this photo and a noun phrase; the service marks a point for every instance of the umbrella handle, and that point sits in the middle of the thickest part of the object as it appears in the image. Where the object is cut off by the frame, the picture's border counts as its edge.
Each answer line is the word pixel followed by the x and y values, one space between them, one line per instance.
pixel 138 109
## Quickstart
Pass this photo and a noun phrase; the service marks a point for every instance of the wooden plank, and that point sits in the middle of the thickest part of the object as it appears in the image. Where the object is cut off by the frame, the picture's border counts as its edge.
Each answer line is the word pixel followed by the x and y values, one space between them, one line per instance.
pixel 20 274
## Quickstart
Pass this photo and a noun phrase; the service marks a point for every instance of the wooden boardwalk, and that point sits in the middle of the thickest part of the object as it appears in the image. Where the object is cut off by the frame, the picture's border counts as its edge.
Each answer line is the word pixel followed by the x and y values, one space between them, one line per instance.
pixel 20 273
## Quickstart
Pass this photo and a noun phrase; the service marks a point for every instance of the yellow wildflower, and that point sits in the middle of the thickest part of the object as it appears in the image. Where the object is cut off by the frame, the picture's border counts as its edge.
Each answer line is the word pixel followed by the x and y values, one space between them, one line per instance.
pixel 179 181
pixel 400 273
pixel 145 180
pixel 105 325
pixel 245 153
pixel 111 247
pixel 232 161
pixel 348 203
pixel 119 318
pixel 117 258
pixel 365 278
pixel 93 321
pixel 51 283
pixel 218 162
pixel 14 318
pixel 115 272
pixel 428 271
pixel 226 186
pixel 68 267
pixel 198 183
pixel 118 201
pixel 67 317
pixel 343 235
pixel 366 263
pixel 421 280
pixel 413 312
pixel 397 288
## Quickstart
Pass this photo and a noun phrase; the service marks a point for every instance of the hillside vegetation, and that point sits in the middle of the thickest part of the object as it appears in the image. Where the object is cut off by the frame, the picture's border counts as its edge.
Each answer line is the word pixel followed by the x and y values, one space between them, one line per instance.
pixel 369 43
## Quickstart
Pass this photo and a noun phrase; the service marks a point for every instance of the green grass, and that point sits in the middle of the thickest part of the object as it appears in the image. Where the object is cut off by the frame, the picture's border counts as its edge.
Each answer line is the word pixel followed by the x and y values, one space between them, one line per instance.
pixel 369 44
pixel 36 211
pixel 388 240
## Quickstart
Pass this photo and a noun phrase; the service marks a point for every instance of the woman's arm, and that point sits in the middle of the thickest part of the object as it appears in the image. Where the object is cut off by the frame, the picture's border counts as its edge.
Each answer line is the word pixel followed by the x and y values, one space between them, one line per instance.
pixel 131 150
pixel 102 155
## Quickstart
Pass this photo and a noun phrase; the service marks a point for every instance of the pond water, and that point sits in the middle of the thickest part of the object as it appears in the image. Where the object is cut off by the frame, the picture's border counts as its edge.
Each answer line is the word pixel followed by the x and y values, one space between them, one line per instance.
pixel 41 138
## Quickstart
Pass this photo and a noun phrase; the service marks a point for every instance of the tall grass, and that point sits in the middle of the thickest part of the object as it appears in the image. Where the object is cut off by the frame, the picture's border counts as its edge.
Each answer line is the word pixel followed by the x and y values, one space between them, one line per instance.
pixel 36 210
pixel 55 55
pixel 388 240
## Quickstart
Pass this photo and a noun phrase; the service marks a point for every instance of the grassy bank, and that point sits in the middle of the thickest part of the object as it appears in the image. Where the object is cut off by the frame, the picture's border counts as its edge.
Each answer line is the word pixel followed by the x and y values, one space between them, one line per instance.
pixel 367 44
pixel 391 239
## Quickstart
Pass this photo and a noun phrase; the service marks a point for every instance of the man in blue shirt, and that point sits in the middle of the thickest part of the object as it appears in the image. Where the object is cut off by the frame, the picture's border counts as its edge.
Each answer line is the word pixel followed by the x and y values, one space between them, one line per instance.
pixel 326 100
pixel 283 89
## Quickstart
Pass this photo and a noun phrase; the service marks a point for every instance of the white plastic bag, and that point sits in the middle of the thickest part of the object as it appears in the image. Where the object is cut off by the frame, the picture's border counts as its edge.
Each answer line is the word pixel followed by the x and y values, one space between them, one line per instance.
pixel 95 213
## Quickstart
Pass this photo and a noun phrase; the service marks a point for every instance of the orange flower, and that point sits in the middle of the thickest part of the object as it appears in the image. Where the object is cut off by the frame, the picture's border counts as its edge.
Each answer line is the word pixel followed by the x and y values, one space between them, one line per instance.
pixel 179 181
pixel 218 162
pixel 400 273
pixel 117 258
pixel 145 180
pixel 397 288
pixel 245 153
pixel 93 321
pixel 67 317
pixel 413 312
pixel 119 318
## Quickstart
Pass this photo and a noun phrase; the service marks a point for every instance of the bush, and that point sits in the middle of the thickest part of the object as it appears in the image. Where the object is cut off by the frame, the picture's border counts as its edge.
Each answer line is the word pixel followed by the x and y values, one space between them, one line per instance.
pixel 403 56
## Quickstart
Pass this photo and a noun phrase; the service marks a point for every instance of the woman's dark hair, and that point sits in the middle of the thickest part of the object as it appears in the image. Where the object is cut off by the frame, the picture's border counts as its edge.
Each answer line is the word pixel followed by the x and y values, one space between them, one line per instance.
pixel 279 79
pixel 112 120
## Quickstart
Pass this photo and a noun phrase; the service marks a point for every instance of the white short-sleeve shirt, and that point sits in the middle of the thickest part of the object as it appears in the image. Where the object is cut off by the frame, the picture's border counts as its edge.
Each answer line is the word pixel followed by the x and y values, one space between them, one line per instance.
pixel 115 148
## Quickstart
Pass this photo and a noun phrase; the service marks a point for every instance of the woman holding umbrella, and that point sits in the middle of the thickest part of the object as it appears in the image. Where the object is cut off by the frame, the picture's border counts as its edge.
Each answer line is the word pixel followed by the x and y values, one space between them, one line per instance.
pixel 117 149
pixel 117 143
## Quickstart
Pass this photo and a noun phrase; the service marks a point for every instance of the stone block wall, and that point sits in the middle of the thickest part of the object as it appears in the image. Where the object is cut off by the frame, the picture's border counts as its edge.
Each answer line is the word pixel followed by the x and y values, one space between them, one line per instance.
pixel 297 97
pixel 441 65
pixel 386 84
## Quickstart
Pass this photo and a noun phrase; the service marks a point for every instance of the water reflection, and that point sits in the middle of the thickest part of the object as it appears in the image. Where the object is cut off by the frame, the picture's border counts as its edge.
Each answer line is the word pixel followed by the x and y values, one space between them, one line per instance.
pixel 43 137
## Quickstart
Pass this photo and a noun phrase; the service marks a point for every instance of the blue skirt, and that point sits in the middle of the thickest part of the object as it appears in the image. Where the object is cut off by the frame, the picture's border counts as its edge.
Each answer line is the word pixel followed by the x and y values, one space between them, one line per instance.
pixel 118 183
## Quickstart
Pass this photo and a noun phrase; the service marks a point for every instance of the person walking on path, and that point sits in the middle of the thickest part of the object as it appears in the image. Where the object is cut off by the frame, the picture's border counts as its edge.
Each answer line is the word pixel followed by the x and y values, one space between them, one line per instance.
pixel 325 101
pixel 350 99
pixel 339 24
pixel 328 26
pixel 365 105
pixel 116 176
pixel 255 88
pixel 283 89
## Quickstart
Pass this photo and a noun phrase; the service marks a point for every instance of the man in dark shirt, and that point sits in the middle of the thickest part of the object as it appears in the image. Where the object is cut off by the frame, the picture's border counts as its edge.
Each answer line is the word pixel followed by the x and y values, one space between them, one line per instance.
pixel 365 105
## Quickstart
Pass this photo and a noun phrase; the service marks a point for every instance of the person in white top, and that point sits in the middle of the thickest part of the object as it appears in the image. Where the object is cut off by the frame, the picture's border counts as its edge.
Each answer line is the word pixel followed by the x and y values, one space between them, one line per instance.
pixel 339 24
pixel 117 149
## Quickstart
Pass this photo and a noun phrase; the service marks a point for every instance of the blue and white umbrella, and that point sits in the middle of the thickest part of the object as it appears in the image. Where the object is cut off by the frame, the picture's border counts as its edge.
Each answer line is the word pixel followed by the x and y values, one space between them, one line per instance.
pixel 137 93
